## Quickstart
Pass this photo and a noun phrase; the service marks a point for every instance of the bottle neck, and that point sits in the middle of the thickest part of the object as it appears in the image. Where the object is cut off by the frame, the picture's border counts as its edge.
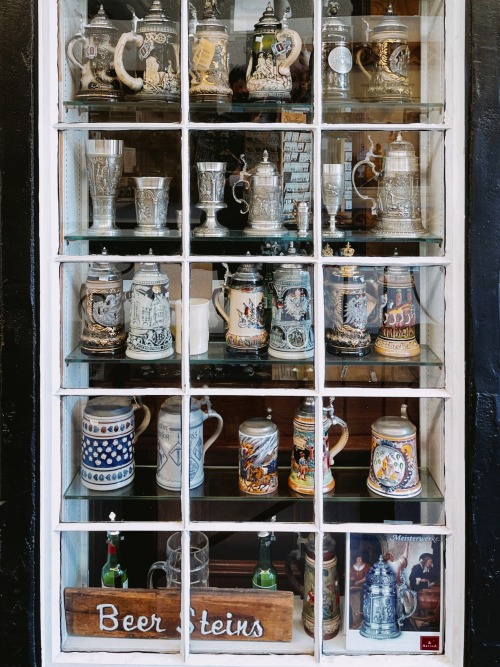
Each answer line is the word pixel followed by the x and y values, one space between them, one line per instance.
pixel 113 550
pixel 265 552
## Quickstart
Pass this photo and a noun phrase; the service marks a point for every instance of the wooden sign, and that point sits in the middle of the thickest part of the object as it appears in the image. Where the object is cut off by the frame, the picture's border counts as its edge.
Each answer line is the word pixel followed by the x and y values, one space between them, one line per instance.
pixel 215 613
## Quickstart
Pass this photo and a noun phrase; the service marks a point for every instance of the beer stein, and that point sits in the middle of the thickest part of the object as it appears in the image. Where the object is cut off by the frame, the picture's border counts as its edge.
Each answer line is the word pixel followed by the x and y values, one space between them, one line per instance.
pixel 332 189
pixel 168 470
pixel 155 37
pixel 291 335
pixel 346 302
pixel 275 47
pixel 389 79
pixel 108 439
pixel 211 180
pixel 398 309
pixel 209 66
pixel 301 478
pixel 258 455
pixel 245 326
pixel 382 601
pixel 98 81
pixel 393 466
pixel 301 214
pixel 104 161
pixel 149 335
pixel 398 191
pixel 151 205
pixel 336 61
pixel 104 317
pixel 264 203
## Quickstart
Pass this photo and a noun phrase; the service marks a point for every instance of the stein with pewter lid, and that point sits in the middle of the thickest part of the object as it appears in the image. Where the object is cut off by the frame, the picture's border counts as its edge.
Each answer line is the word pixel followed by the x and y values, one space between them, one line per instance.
pixel 98 80
pixel 156 40
pixel 393 465
pixel 388 82
pixel 264 198
pixel 258 455
pixel 149 335
pixel 398 191
pixel 209 64
pixel 104 317
pixel 275 47
pixel 336 61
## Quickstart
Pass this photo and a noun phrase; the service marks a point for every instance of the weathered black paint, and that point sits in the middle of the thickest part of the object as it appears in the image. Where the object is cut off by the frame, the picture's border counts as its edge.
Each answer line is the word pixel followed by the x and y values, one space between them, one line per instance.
pixel 18 363
pixel 483 456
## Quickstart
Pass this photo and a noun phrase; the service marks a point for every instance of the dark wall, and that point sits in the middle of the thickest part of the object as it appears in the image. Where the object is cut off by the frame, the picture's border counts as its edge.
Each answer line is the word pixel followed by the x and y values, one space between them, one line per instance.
pixel 18 367
pixel 483 461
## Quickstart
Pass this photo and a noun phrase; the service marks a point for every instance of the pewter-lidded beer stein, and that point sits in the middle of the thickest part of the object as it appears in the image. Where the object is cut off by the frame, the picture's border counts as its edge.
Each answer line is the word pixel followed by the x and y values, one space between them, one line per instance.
pixel 168 471
pixel 291 335
pixel 98 80
pixel 156 39
pixel 381 601
pixel 393 466
pixel 108 439
pixel 398 314
pixel 301 478
pixel 389 80
pixel 346 303
pixel 336 62
pixel 104 318
pixel 258 456
pixel 264 203
pixel 209 64
pixel 275 47
pixel 398 191
pixel 245 325
pixel 149 335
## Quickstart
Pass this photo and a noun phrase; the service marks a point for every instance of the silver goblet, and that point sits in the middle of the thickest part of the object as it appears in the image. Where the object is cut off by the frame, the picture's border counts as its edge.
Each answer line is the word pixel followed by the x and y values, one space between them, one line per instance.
pixel 104 158
pixel 151 205
pixel 211 179
pixel 332 181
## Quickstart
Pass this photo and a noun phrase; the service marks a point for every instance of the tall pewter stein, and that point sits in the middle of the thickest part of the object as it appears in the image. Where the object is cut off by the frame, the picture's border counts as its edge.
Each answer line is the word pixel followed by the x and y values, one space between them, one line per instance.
pixel 398 191
pixel 264 202
pixel 332 189
pixel 104 317
pixel 149 336
pixel 104 159
pixel 156 39
pixel 291 335
pixel 393 465
pixel 389 81
pixel 108 439
pixel 211 180
pixel 301 478
pixel 209 67
pixel 98 80
pixel 168 470
pixel 336 61
pixel 151 205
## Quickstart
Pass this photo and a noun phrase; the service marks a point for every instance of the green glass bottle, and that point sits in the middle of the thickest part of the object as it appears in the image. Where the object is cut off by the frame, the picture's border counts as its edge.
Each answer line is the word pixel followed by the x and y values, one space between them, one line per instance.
pixel 113 575
pixel 264 575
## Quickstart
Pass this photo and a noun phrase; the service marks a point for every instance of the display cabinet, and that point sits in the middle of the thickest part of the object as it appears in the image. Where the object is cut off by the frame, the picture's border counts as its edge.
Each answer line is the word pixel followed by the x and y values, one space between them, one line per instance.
pixel 251 270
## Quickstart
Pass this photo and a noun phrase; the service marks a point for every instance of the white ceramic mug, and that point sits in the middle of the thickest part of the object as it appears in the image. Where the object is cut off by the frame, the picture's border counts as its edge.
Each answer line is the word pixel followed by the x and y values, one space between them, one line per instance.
pixel 198 325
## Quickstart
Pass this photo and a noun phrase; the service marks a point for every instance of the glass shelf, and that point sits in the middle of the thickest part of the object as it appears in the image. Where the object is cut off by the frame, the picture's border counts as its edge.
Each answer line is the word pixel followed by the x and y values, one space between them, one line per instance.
pixel 358 111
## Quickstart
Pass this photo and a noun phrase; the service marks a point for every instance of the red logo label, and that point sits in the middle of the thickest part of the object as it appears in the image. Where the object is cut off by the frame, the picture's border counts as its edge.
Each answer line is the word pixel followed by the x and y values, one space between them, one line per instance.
pixel 429 643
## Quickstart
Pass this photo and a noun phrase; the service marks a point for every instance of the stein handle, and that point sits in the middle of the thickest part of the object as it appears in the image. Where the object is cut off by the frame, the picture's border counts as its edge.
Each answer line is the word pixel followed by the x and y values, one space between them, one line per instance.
pixel 294 557
pixel 360 64
pixel 121 72
pixel 214 436
pixel 405 591
pixel 70 51
pixel 293 54
pixel 246 184
pixel 145 421
pixel 367 160
pixel 342 441
pixel 159 565
pixel 217 305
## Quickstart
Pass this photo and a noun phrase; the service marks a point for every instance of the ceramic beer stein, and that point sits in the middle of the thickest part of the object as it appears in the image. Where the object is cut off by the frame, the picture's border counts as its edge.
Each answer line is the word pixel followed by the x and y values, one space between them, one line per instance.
pixel 168 471
pixel 98 80
pixel 149 335
pixel 156 39
pixel 258 456
pixel 245 331
pixel 393 465
pixel 301 478
pixel 108 439
pixel 103 314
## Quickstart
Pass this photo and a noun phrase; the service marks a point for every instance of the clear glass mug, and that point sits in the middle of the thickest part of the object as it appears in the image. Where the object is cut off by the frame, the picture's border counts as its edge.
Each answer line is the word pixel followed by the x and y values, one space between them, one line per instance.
pixel 172 566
